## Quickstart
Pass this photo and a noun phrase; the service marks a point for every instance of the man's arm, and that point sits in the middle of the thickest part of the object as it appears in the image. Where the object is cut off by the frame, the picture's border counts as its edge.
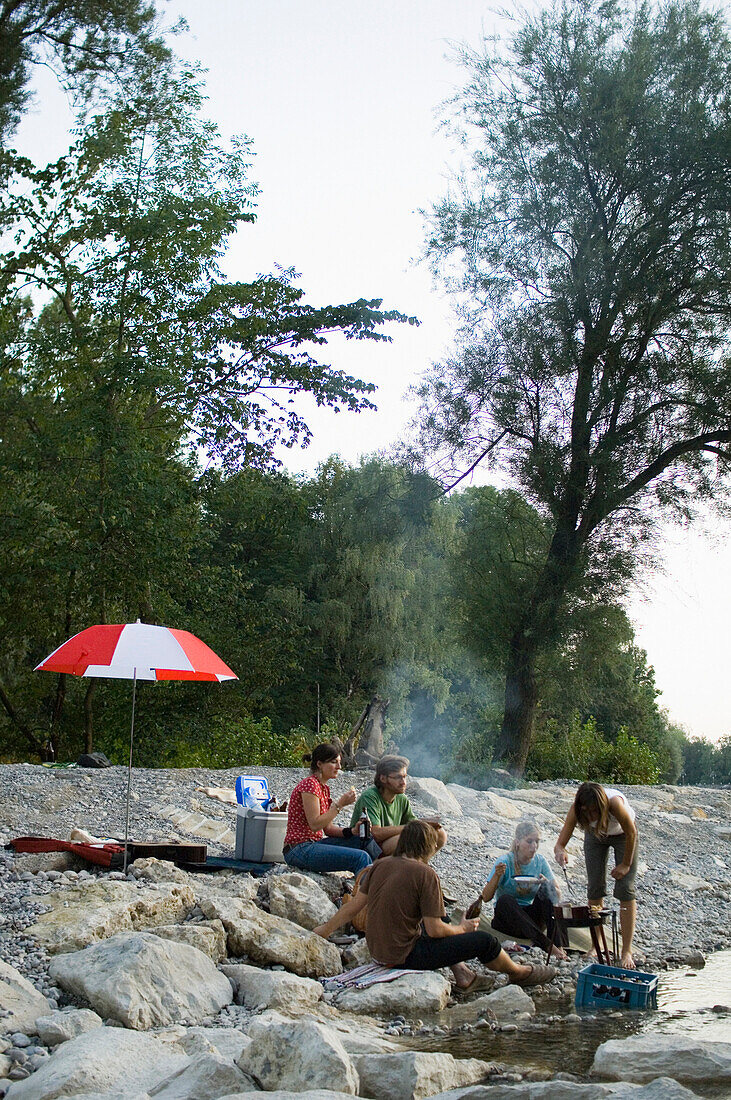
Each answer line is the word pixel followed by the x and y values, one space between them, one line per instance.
pixel 436 929
pixel 369 801
pixel 344 914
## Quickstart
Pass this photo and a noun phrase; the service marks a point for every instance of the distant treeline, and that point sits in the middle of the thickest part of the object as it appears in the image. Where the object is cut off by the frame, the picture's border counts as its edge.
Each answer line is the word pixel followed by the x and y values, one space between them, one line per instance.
pixel 321 593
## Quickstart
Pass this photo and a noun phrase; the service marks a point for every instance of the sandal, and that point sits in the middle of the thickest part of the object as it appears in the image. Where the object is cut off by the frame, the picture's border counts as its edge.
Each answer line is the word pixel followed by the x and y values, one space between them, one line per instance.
pixel 479 984
pixel 539 975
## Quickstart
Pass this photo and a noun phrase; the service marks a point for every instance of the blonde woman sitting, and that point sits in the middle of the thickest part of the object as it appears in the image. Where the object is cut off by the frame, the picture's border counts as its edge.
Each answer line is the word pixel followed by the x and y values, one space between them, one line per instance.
pixel 524 909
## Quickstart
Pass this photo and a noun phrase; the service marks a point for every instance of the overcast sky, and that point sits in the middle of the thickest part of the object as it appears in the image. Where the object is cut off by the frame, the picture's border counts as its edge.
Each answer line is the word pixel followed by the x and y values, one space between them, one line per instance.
pixel 341 100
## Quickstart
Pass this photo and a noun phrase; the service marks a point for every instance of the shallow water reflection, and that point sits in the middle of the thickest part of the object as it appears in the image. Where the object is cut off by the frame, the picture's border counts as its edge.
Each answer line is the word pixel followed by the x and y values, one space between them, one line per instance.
pixel 686 1000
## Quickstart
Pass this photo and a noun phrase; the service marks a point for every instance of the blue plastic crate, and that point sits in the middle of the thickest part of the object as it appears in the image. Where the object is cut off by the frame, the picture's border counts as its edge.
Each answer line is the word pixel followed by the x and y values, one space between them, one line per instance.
pixel 613 987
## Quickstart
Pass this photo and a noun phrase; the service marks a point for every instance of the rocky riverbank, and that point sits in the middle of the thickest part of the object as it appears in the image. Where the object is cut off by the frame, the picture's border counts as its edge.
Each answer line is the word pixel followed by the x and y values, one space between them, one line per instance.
pixel 173 984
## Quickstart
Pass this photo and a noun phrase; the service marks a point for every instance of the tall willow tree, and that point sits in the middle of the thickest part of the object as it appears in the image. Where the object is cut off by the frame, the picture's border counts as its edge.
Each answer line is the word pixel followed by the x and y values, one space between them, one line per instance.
pixel 590 244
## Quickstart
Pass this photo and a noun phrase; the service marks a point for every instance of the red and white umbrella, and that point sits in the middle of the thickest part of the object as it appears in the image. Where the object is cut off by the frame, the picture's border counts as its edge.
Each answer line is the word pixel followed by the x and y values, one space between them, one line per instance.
pixel 136 651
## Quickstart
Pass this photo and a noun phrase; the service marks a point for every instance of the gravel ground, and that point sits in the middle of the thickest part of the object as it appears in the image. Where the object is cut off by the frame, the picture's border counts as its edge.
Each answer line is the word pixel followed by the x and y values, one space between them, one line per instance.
pixel 685 838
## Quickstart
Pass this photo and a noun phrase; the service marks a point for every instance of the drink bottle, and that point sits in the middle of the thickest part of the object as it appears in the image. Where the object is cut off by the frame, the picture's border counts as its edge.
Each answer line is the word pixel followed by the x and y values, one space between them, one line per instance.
pixel 474 909
pixel 364 826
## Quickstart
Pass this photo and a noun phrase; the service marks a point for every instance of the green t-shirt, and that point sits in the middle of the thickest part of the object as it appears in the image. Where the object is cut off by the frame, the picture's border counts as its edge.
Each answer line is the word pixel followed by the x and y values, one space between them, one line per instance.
pixel 382 813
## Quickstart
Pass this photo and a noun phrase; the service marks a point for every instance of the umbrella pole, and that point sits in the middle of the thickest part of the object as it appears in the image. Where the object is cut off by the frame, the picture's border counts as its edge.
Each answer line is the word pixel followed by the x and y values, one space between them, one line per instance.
pixel 129 770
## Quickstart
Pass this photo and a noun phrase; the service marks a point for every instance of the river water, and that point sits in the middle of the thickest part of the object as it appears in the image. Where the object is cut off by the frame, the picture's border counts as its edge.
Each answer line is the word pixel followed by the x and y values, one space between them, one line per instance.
pixel 691 1002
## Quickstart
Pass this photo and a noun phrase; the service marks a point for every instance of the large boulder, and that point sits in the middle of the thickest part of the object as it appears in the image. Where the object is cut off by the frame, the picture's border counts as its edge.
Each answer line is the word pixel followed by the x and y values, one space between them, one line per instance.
pixel 144 981
pixel 643 1057
pixel 266 938
pixel 419 994
pixel 100 908
pixel 66 1023
pixel 272 988
pixel 208 936
pixel 299 899
pixel 21 1001
pixel 205 1076
pixel 411 1075
pixel 433 794
pixel 297 1055
pixel 108 1059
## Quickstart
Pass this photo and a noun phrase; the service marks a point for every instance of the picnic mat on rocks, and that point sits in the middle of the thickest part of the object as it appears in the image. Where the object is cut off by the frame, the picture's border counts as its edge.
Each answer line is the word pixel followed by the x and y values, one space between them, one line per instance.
pixel 362 976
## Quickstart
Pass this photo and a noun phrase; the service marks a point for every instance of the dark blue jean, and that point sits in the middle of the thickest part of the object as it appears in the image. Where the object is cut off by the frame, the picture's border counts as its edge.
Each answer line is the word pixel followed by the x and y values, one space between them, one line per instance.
pixel 332 853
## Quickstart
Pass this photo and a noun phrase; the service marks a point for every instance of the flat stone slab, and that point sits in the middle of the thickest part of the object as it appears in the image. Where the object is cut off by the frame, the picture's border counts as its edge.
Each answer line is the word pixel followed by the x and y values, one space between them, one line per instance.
pixel 100 908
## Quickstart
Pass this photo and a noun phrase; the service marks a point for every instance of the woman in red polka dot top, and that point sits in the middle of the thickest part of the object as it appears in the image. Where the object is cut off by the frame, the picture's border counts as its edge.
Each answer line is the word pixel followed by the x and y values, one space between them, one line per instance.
pixel 312 842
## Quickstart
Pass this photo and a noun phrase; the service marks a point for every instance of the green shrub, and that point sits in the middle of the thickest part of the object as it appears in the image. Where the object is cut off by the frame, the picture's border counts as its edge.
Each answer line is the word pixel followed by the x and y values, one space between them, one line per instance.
pixel 580 752
pixel 220 742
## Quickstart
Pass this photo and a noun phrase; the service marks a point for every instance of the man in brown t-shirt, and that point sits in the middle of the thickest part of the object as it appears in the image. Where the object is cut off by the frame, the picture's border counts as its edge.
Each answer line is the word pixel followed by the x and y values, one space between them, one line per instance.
pixel 405 925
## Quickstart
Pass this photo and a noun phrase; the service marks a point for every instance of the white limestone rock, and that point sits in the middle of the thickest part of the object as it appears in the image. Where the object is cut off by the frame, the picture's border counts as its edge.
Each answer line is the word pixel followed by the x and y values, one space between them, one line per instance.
pixel 66 1023
pixel 297 1055
pixel 689 882
pixel 106 1060
pixel 229 1042
pixel 273 988
pixel 144 981
pixel 206 1075
pixel 208 936
pixel 467 830
pixel 266 938
pixel 412 995
pixel 506 1002
pixel 47 861
pixel 100 908
pixel 643 1057
pixel 286 1094
pixel 663 1088
pixel 411 1075
pixel 356 954
pixel 196 824
pixel 434 794
pixel 299 899
pixel 21 1000
pixel 151 869
pixel 361 1036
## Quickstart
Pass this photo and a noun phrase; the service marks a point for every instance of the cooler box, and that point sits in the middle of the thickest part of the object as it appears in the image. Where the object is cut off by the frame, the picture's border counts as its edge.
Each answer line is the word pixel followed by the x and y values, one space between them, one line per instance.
pixel 260 835
pixel 613 987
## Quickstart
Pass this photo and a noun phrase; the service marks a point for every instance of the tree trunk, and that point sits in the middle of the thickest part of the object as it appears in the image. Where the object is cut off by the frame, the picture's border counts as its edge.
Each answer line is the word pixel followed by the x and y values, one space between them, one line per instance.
pixel 537 630
pixel 34 744
pixel 370 748
pixel 521 696
pixel 365 740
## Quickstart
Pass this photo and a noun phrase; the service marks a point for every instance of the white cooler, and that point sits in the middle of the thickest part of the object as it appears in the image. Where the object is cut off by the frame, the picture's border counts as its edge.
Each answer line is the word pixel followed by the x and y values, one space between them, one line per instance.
pixel 260 835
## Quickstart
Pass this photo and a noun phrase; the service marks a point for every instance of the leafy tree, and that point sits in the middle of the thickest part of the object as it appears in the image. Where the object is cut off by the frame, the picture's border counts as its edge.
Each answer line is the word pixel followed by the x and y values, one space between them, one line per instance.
pixel 129 358
pixel 361 577
pixel 85 42
pixel 706 764
pixel 592 247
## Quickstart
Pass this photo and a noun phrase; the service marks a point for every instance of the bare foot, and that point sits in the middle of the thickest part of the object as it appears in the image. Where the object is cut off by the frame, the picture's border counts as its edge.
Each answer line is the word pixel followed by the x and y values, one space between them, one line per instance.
pixel 559 953
pixel 463 976
pixel 628 963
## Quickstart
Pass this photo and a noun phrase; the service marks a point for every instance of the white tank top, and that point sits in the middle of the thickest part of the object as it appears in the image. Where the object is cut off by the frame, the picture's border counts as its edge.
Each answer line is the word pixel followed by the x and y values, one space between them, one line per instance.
pixel 613 826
